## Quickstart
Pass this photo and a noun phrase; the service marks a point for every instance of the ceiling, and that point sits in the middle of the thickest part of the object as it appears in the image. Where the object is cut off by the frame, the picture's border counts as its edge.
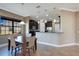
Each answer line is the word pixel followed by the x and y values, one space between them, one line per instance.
pixel 36 10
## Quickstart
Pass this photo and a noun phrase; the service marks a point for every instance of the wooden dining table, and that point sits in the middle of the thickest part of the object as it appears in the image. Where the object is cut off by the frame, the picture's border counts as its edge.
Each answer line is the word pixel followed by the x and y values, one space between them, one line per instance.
pixel 19 41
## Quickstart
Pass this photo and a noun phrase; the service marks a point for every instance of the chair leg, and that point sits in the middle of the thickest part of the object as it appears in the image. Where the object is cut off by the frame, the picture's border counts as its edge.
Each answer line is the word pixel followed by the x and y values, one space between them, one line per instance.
pixel 15 51
pixel 11 50
pixel 33 48
pixel 29 52
pixel 19 48
pixel 9 45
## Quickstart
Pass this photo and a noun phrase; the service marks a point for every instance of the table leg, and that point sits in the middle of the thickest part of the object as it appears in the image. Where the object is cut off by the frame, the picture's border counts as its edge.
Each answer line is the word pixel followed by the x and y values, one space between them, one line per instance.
pixel 9 44
pixel 36 44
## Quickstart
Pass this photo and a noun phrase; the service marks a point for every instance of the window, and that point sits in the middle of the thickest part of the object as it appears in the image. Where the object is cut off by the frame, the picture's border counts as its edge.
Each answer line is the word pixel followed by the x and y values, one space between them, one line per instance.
pixel 8 26
pixel 17 27
pixel 2 30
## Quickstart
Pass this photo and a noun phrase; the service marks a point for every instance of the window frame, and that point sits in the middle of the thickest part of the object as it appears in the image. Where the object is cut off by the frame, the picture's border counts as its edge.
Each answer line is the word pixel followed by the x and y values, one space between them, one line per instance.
pixel 12 25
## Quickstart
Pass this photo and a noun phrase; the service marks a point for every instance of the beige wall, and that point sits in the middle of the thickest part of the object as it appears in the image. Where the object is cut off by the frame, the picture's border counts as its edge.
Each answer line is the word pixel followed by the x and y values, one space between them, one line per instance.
pixel 68 27
pixel 77 27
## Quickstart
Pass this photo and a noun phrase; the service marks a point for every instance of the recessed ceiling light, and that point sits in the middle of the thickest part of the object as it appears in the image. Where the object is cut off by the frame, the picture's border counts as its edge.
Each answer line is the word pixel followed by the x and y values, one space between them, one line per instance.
pixel 22 4
pixel 47 15
pixel 38 6
pixel 54 8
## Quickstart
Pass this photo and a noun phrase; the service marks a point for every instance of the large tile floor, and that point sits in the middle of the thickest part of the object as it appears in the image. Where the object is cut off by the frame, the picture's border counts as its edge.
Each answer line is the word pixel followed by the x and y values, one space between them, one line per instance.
pixel 44 50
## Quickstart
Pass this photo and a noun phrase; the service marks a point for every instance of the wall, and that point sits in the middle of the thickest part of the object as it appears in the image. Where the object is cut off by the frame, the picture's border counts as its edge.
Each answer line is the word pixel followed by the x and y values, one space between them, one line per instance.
pixel 3 39
pixel 68 27
pixel 77 27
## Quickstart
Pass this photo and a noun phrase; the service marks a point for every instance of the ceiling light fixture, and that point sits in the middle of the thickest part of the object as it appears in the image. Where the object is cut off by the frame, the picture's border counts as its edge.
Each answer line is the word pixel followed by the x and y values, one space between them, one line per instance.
pixel 47 15
pixel 54 20
pixel 22 23
pixel 38 22
pixel 45 21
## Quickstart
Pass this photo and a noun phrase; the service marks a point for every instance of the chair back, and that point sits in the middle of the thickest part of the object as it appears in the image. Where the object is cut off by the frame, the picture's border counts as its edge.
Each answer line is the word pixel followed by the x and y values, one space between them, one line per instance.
pixel 13 44
pixel 32 41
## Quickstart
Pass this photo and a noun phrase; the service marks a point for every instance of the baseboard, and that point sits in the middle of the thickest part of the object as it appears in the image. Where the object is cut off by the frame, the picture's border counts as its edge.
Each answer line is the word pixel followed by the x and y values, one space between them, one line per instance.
pixel 2 45
pixel 69 44
pixel 49 44
pixel 55 45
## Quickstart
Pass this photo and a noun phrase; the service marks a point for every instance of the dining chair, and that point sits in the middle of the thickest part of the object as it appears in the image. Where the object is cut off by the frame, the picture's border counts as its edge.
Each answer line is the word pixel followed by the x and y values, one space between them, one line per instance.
pixel 13 45
pixel 31 45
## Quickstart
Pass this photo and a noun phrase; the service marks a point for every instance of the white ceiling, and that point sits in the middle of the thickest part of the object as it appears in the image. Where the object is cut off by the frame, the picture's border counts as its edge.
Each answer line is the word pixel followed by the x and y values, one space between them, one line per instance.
pixel 29 9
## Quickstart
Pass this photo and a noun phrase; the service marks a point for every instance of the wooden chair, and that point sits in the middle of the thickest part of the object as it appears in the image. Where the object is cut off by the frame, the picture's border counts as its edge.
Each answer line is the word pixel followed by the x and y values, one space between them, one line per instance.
pixel 13 45
pixel 31 45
